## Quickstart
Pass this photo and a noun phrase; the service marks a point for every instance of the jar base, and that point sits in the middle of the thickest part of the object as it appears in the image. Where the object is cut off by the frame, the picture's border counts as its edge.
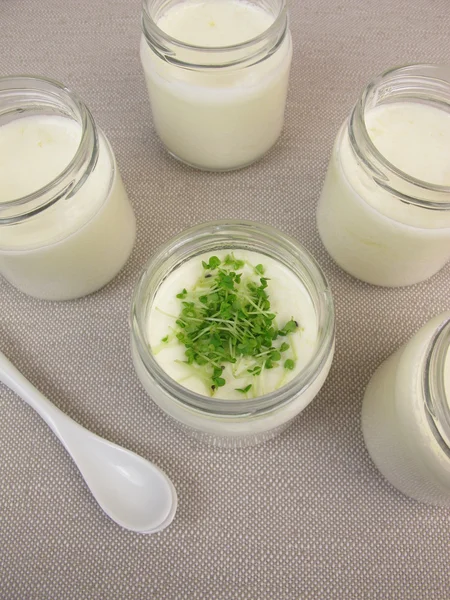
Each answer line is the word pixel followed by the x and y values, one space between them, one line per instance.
pixel 373 281
pixel 230 442
pixel 217 169
pixel 62 292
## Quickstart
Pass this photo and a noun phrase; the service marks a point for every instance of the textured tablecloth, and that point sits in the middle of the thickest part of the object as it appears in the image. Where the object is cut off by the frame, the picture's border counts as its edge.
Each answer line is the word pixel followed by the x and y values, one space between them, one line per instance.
pixel 306 515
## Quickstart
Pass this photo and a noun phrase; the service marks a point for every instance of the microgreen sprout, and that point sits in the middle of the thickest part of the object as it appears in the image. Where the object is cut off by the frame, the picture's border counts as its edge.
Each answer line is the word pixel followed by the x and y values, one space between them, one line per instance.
pixel 227 316
pixel 244 390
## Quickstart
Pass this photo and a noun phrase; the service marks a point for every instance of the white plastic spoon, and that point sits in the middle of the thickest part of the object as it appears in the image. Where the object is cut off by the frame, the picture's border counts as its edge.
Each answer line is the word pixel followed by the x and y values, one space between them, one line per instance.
pixel 132 491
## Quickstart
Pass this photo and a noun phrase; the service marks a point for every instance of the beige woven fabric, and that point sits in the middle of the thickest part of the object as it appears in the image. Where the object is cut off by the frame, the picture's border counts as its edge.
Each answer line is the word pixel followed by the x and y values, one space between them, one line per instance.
pixel 304 516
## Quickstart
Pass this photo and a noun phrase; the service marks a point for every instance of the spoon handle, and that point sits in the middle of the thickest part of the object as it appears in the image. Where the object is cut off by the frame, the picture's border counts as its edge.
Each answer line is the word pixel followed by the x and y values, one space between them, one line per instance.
pixel 16 382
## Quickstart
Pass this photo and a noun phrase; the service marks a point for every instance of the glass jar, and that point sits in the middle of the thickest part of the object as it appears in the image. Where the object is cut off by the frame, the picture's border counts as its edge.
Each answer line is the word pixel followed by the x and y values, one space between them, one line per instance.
pixel 382 224
pixel 244 421
pixel 66 224
pixel 406 415
pixel 217 108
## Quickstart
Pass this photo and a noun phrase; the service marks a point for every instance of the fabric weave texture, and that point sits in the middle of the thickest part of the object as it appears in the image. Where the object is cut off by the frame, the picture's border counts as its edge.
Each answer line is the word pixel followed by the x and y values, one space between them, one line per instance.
pixel 306 515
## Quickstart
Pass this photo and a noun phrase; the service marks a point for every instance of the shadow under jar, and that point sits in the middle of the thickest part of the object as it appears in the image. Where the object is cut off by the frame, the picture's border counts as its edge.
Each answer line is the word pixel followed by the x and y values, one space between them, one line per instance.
pixel 297 289
pixel 217 75
pixel 384 211
pixel 66 224
pixel 406 415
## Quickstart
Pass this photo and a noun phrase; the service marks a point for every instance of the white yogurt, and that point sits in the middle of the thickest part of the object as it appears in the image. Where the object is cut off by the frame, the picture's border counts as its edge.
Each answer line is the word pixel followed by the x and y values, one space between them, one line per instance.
pixel 77 245
pixel 371 233
pixel 282 284
pixel 396 423
pixel 217 119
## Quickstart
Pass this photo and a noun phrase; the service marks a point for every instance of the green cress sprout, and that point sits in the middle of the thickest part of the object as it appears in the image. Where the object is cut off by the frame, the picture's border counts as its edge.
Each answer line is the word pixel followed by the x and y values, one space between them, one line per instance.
pixel 227 316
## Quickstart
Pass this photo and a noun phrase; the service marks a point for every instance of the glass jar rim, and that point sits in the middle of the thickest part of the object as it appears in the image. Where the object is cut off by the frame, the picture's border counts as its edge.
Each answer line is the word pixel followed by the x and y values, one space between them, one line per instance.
pixel 70 179
pixel 155 36
pixel 377 163
pixel 437 397
pixel 260 404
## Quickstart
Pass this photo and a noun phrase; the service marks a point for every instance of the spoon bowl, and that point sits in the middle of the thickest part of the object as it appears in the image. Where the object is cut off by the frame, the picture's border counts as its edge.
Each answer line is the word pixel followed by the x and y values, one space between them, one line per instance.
pixel 132 491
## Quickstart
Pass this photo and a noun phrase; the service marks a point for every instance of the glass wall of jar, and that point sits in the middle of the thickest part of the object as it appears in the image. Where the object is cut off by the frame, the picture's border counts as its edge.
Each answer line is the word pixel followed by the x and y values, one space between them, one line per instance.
pixel 66 224
pixel 384 211
pixel 406 415
pixel 297 289
pixel 217 76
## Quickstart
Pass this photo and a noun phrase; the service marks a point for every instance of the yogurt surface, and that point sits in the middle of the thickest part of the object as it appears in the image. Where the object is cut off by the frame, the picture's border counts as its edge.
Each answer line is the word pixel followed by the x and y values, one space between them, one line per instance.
pixel 414 137
pixel 289 299
pixel 43 145
pixel 215 23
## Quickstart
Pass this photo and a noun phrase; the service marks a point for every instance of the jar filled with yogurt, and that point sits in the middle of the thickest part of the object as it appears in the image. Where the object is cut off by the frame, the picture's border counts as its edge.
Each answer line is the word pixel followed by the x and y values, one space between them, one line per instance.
pixel 66 224
pixel 217 76
pixel 406 415
pixel 384 211
pixel 232 331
